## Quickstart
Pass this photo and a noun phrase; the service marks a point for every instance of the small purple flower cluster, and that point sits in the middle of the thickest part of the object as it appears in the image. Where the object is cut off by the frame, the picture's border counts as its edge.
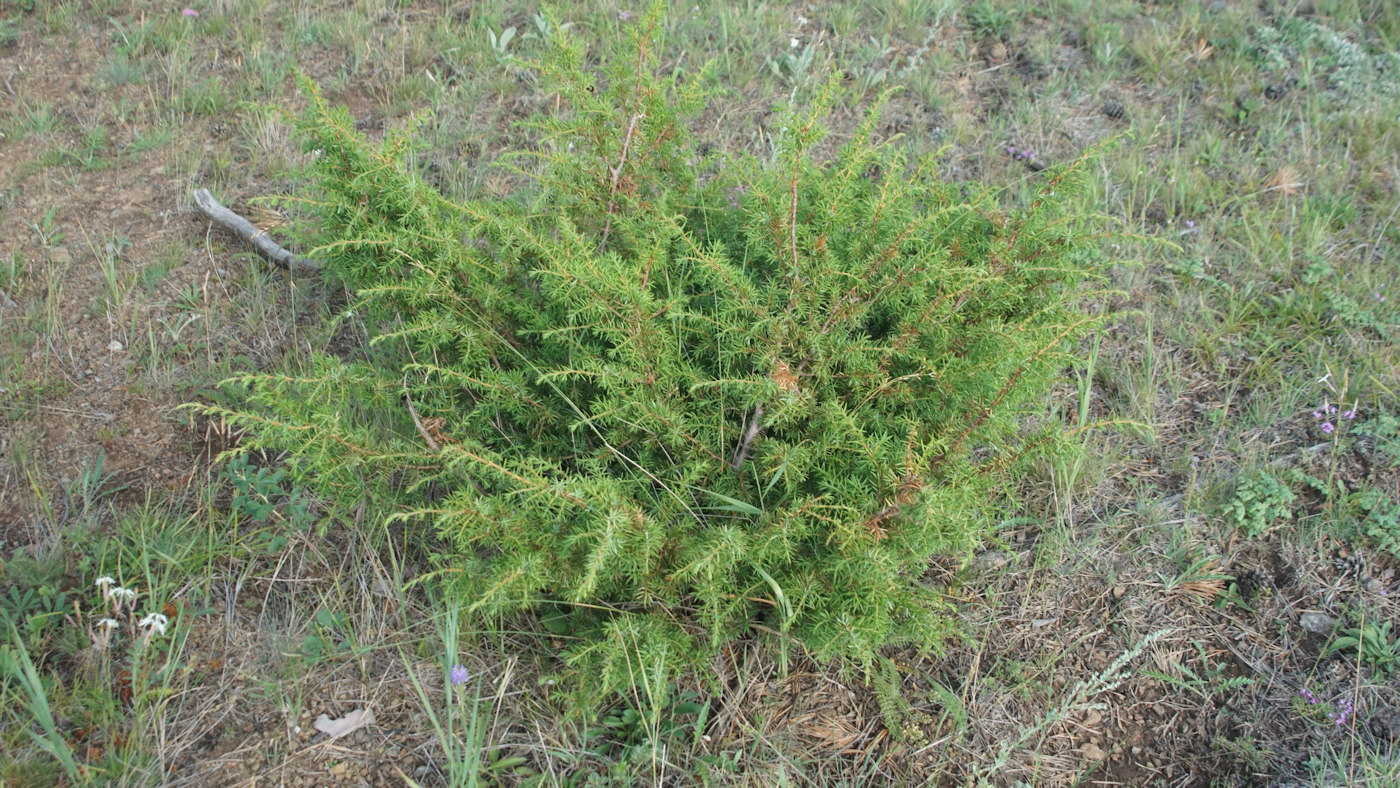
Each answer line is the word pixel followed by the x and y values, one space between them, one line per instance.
pixel 1344 711
pixel 1327 411
pixel 1345 708
pixel 1190 228
pixel 1379 297
pixel 1020 155
pixel 459 675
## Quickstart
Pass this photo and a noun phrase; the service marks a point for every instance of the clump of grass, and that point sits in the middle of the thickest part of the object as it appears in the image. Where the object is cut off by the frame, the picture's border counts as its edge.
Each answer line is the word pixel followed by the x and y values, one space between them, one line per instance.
pixel 151 137
pixel 119 69
pixel 9 33
pixel 989 20
pixel 33 120
pixel 1358 762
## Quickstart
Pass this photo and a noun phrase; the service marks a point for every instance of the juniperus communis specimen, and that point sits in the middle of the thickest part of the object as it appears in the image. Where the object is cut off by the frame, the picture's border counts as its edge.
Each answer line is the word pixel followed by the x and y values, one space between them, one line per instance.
pixel 765 396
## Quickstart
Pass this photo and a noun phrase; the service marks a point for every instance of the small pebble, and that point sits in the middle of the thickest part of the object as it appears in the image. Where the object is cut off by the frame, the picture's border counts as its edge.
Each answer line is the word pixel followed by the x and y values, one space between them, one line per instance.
pixel 1317 623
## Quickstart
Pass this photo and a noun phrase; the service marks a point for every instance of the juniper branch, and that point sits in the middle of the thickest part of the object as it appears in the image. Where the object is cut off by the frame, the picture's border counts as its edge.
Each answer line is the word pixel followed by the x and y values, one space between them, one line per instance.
pixel 617 176
pixel 593 390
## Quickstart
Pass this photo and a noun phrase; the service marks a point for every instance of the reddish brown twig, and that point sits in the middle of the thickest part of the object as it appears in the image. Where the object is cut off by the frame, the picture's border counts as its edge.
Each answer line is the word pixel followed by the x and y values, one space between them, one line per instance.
pixel 617 175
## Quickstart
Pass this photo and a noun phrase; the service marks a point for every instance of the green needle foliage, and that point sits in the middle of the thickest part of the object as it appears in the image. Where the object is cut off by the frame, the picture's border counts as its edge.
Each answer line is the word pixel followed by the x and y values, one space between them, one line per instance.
pixel 692 399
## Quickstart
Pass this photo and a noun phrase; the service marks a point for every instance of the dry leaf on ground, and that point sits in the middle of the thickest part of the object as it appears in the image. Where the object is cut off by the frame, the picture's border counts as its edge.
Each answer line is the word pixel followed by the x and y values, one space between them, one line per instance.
pixel 346 725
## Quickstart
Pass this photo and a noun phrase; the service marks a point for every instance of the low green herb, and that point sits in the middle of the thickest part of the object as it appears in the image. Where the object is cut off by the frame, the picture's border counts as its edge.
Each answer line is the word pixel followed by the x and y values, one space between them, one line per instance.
pixel 1260 500
pixel 1373 644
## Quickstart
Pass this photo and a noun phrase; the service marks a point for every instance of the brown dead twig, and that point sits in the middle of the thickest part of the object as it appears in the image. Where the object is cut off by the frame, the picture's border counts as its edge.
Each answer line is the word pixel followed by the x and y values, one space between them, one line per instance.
pixel 752 432
pixel 417 422
pixel 266 248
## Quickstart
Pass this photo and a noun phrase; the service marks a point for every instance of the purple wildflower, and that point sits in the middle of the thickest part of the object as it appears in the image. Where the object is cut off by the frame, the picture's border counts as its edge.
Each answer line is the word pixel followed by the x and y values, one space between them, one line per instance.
pixel 459 675
pixel 1317 414
pixel 1349 414
pixel 624 15
pixel 1306 694
pixel 1327 427
pixel 1344 710
pixel 190 12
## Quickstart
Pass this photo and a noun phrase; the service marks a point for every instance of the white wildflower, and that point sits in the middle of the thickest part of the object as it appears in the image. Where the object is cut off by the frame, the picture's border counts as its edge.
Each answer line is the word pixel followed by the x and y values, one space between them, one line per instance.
pixel 102 638
pixel 154 623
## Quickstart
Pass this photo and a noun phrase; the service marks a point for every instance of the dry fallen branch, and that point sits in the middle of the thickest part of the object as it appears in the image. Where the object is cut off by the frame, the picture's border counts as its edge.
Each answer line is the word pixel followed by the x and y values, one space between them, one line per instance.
pixel 267 248
pixel 749 435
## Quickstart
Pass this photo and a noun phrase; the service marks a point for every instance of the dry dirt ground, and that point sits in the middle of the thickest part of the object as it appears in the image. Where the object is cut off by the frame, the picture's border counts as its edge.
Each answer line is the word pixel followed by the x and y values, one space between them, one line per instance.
pixel 1050 609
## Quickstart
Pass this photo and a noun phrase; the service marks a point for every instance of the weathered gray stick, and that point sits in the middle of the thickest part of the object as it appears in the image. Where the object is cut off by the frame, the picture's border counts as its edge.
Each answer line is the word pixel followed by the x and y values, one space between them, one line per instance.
pixel 267 248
